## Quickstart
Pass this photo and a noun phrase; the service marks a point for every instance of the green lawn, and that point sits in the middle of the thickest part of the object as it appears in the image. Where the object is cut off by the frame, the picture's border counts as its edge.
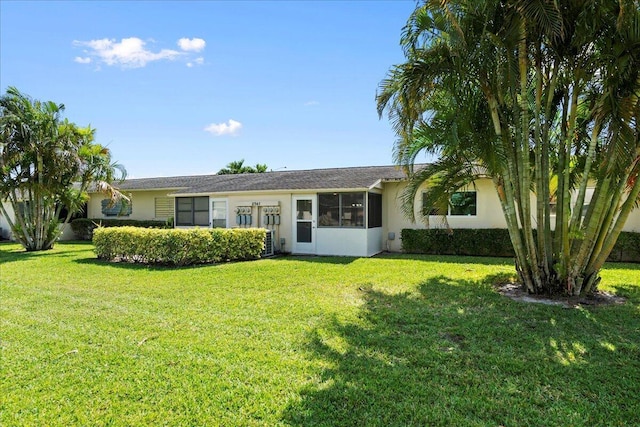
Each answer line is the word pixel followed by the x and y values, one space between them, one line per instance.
pixel 389 341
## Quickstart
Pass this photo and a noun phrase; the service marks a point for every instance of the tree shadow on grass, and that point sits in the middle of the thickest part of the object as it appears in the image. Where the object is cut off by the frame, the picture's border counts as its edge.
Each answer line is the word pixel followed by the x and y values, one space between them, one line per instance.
pixel 450 259
pixel 17 253
pixel 630 292
pixel 318 259
pixel 457 353
pixel 142 266
pixel 622 266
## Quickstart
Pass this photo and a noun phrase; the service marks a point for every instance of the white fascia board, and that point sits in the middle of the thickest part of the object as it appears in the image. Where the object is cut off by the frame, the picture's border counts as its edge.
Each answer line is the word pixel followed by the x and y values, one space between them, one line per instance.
pixel 190 194
pixel 142 189
pixel 377 185
pixel 223 194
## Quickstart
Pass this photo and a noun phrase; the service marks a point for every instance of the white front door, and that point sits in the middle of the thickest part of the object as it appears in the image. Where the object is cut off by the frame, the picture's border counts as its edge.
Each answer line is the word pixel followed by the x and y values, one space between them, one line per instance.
pixel 304 224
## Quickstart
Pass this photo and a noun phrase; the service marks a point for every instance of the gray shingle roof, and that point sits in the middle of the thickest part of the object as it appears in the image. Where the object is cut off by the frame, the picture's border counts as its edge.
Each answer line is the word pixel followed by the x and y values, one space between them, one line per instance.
pixel 313 179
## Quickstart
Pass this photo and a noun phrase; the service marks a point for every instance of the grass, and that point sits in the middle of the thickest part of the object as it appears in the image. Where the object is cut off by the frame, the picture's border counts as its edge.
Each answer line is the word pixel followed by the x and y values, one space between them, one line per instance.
pixel 389 341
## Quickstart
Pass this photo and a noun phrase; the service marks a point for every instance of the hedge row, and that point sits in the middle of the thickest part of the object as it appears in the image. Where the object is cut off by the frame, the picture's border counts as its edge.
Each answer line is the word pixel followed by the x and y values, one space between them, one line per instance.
pixel 461 241
pixel 493 242
pixel 627 248
pixel 83 227
pixel 178 247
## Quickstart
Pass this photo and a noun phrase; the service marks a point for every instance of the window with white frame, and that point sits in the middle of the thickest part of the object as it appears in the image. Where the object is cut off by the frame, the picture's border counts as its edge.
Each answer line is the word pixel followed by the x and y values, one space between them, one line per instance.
pixel 219 213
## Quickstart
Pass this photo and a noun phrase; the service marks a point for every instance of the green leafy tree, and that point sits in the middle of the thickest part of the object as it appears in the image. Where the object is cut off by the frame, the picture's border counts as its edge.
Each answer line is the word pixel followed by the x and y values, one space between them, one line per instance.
pixel 238 166
pixel 47 164
pixel 540 96
pixel 260 168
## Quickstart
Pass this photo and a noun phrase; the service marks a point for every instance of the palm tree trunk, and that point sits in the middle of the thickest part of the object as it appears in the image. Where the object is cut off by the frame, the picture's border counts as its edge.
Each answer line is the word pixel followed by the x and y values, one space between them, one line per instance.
pixel 542 198
pixel 614 233
pixel 524 153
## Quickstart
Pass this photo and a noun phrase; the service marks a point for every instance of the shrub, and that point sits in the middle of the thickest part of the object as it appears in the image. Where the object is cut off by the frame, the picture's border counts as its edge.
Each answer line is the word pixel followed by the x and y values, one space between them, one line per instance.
pixel 460 241
pixel 493 242
pixel 176 246
pixel 627 248
pixel 83 227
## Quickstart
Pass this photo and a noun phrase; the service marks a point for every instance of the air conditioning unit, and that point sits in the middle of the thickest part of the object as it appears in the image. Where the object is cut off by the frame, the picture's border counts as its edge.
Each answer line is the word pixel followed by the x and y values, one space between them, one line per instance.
pixel 268 244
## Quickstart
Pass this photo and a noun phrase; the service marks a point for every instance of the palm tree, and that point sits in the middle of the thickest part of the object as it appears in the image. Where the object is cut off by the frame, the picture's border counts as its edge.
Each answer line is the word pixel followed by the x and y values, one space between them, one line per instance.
pixel 260 167
pixel 46 164
pixel 539 96
pixel 238 166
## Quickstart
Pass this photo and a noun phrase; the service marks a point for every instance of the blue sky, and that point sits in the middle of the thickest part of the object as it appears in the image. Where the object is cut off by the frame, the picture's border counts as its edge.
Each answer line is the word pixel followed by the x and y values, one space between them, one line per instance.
pixel 183 88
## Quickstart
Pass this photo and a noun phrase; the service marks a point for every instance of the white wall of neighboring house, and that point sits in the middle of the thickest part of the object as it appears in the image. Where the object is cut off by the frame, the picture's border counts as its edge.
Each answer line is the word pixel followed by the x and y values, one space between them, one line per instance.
pixel 5 230
pixel 633 223
pixel 67 233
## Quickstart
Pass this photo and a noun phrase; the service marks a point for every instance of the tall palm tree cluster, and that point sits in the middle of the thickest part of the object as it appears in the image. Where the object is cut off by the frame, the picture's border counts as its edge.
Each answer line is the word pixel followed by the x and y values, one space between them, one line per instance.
pixel 541 96
pixel 47 164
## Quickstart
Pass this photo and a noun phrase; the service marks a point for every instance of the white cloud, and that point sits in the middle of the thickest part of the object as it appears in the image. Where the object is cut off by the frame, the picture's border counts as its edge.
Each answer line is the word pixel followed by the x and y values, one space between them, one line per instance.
pixel 81 60
pixel 197 61
pixel 310 103
pixel 191 45
pixel 232 127
pixel 128 53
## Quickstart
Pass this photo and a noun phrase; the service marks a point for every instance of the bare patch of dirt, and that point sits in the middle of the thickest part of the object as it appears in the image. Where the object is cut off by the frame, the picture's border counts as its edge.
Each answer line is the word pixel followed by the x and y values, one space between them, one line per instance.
pixel 517 292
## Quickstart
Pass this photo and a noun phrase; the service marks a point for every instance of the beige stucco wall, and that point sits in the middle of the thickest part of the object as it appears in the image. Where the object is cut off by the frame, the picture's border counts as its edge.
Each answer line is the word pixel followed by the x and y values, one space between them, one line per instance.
pixel 633 222
pixel 257 201
pixel 143 205
pixel 488 213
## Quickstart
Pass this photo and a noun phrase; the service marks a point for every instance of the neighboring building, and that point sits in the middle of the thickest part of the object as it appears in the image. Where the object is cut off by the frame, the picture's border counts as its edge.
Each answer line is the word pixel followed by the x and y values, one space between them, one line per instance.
pixel 320 212
pixel 342 211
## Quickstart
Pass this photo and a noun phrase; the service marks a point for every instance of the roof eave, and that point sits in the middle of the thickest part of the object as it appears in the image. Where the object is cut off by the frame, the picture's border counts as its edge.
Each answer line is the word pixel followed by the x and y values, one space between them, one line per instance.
pixel 281 191
pixel 144 189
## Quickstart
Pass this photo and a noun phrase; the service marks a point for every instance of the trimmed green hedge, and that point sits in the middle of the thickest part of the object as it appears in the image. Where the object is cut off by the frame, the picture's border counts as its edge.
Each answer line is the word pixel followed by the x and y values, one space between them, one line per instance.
pixel 460 241
pixel 83 227
pixel 627 248
pixel 178 247
pixel 493 242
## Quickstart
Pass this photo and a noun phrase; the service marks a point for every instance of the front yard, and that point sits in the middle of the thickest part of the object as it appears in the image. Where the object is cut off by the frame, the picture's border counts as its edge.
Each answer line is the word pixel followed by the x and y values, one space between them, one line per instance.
pixel 388 341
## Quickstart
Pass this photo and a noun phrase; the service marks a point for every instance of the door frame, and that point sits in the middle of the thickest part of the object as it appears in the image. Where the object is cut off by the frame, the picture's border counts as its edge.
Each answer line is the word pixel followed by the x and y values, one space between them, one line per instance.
pixel 303 247
pixel 211 202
